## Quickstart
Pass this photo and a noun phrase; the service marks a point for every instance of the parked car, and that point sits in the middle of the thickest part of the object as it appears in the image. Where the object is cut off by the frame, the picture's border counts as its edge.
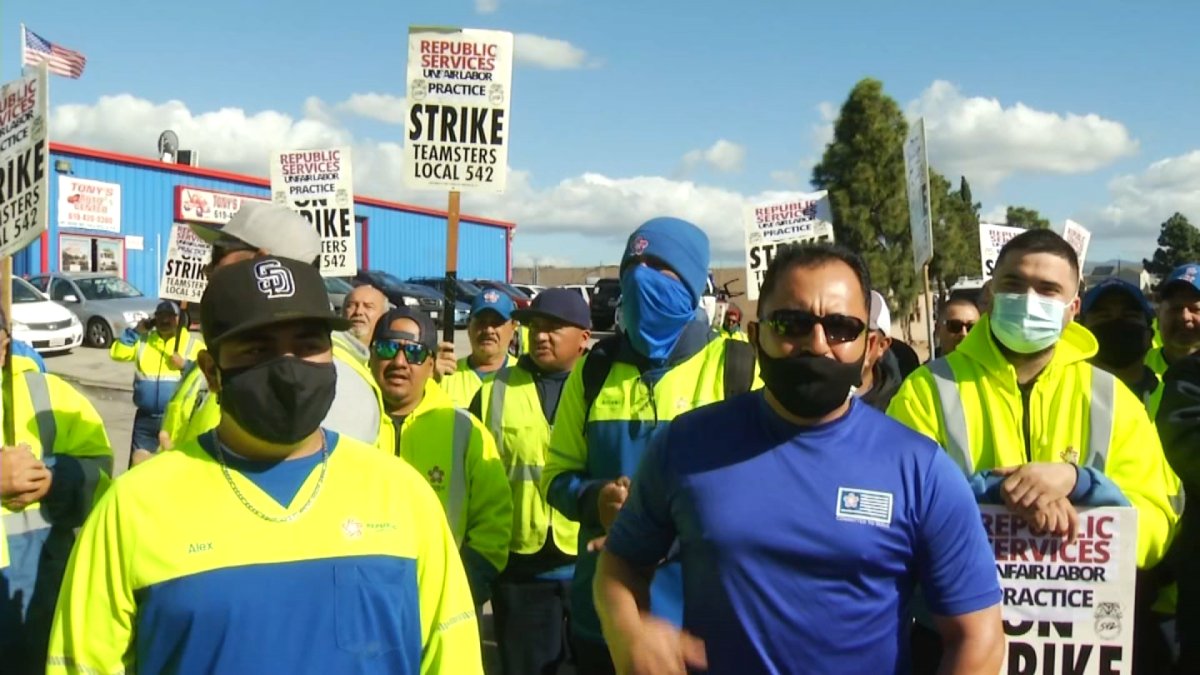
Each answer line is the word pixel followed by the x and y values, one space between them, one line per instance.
pixel 465 290
pixel 402 294
pixel 531 290
pixel 105 303
pixel 585 290
pixel 519 298
pixel 337 289
pixel 47 326
pixel 605 296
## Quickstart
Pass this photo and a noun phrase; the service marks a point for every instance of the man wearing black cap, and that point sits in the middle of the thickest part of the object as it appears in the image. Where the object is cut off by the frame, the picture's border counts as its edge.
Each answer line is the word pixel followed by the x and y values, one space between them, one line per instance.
pixel 445 444
pixel 531 599
pixel 160 349
pixel 1120 317
pixel 268 544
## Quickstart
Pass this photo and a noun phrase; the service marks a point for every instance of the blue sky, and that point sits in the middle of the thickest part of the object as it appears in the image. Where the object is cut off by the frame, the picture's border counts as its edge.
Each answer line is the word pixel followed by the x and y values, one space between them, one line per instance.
pixel 1087 113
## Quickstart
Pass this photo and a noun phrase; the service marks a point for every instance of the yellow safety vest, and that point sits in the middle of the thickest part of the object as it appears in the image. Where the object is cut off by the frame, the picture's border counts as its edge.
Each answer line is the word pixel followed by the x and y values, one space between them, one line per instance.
pixel 154 379
pixel 970 403
pixel 512 412
pixel 464 382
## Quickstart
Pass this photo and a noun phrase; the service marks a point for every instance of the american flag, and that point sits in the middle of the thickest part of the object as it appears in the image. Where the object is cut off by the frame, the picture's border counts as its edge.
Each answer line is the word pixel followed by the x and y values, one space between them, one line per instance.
pixel 59 60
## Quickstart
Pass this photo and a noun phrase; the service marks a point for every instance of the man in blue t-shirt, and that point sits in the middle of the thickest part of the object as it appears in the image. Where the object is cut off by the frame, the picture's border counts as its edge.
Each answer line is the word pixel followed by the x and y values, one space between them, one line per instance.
pixel 804 518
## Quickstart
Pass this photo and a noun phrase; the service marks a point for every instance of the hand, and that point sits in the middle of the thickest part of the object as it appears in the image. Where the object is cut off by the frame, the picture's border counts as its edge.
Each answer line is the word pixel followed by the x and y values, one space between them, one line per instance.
pixel 140 456
pixel 143 327
pixel 1057 518
pixel 1037 483
pixel 40 479
pixel 662 649
pixel 18 468
pixel 165 442
pixel 178 362
pixel 446 364
pixel 610 500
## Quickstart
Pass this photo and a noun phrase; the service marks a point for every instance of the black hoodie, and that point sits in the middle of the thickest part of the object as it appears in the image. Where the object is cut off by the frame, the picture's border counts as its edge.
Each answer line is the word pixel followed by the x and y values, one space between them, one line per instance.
pixel 887 376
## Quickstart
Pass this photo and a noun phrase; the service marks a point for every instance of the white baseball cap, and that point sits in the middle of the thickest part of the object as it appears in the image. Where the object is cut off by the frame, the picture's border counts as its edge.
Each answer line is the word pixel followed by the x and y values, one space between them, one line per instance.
pixel 881 318
pixel 278 230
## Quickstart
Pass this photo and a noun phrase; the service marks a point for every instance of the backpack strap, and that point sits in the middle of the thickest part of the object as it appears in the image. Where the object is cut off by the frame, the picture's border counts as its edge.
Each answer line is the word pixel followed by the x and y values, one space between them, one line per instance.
pixel 739 367
pixel 595 371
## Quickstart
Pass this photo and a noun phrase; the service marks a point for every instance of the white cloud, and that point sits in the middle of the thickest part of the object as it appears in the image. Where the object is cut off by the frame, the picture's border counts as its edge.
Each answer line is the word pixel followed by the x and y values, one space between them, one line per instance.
pixel 997 215
pixel 820 134
pixel 382 107
pixel 980 138
pixel 724 156
pixel 527 259
pixel 549 53
pixel 599 210
pixel 1141 202
pixel 487 6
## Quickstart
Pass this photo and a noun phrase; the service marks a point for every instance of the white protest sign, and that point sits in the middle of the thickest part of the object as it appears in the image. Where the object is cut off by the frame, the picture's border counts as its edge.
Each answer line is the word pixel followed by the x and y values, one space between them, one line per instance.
pixel 24 161
pixel 920 212
pixel 459 90
pixel 1078 237
pixel 1067 607
pixel 992 238
pixel 769 226
pixel 89 204
pixel 319 185
pixel 183 276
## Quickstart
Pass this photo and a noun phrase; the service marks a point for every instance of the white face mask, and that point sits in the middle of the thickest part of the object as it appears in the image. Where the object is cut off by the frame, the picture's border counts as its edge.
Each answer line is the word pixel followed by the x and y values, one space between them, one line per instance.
pixel 1027 322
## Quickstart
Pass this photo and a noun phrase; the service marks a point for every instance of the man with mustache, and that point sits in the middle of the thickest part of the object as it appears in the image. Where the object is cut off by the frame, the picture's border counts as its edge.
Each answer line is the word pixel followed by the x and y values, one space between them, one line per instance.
pixel 490 330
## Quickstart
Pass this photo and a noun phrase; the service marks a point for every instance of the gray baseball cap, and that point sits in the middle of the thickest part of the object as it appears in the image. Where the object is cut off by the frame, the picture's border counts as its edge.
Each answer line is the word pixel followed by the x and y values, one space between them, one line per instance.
pixel 278 230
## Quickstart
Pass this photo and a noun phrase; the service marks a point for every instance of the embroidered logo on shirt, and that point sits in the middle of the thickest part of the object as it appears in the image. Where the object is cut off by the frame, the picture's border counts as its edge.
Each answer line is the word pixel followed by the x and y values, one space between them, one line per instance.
pixel 352 528
pixel 436 475
pixel 866 506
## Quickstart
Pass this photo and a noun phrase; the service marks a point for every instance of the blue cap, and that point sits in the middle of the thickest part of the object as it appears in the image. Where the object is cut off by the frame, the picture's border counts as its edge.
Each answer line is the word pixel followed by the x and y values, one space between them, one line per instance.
pixel 494 300
pixel 563 304
pixel 1115 285
pixel 679 244
pixel 1188 274
pixel 167 307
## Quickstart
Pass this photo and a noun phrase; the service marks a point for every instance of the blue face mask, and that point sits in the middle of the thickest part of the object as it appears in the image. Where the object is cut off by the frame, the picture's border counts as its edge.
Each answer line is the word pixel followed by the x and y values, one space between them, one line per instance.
pixel 654 310
pixel 1027 322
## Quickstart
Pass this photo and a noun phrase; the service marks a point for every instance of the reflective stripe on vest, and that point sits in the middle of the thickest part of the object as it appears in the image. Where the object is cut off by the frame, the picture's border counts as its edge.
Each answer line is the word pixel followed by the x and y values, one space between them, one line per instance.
pixel 1100 416
pixel 458 470
pixel 29 520
pixel 43 412
pixel 138 375
pixel 495 417
pixel 958 442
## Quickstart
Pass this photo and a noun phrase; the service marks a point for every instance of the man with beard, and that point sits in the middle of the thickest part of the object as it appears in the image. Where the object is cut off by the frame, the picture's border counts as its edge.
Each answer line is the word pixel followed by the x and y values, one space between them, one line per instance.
pixel 1178 317
pixel 362 307
pixel 776 497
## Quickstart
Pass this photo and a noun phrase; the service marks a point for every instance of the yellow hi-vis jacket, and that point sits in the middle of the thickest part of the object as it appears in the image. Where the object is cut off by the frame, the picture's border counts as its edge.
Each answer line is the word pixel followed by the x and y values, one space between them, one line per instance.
pixel 970 403
pixel 462 385
pixel 457 455
pixel 61 427
pixel 192 411
pixel 154 378
pixel 512 412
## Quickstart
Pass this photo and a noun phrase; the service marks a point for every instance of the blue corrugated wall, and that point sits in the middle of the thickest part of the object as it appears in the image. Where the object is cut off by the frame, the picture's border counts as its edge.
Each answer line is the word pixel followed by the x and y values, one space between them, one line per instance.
pixel 401 242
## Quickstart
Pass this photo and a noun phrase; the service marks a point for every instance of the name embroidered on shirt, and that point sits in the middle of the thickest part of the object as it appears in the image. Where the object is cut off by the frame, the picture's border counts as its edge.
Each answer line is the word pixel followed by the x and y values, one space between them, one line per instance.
pixel 865 506
pixel 200 547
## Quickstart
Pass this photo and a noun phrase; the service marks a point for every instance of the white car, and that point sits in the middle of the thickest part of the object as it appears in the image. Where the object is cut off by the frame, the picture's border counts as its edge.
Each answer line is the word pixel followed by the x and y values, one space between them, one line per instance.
pixel 530 289
pixel 584 290
pixel 46 325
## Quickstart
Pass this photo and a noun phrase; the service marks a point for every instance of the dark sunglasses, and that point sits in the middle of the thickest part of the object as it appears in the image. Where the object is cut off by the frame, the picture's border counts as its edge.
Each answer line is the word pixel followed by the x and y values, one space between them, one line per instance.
pixel 797 323
pixel 956 326
pixel 414 353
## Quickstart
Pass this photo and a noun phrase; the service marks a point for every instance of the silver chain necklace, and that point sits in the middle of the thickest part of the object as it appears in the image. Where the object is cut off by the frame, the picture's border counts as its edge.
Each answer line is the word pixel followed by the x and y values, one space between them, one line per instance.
pixel 246 502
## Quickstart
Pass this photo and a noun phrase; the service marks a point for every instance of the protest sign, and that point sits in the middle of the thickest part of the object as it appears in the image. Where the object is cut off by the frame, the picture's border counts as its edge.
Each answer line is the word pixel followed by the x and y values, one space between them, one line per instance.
pixel 920 218
pixel 459 90
pixel 197 205
pixel 769 226
pixel 183 276
pixel 1078 237
pixel 89 204
pixel 1067 607
pixel 992 238
pixel 24 161
pixel 319 185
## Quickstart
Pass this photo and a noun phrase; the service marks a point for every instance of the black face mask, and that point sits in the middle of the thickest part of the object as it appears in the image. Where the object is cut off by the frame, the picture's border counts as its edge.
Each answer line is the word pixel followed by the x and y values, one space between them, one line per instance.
pixel 1123 342
pixel 281 401
pixel 807 385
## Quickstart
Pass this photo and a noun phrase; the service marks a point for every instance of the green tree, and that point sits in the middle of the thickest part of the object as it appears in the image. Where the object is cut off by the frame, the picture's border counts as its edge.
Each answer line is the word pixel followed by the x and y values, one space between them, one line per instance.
pixel 964 192
pixel 1030 219
pixel 1178 244
pixel 955 233
pixel 863 170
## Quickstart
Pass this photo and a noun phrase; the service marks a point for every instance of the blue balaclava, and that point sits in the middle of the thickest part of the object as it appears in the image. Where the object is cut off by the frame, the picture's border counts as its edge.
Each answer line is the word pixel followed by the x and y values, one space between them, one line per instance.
pixel 654 307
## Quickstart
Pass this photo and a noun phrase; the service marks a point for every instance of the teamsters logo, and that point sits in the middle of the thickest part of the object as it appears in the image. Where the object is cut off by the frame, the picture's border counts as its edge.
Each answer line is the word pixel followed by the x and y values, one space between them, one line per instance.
pixel 1108 620
pixel 418 90
pixel 274 280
